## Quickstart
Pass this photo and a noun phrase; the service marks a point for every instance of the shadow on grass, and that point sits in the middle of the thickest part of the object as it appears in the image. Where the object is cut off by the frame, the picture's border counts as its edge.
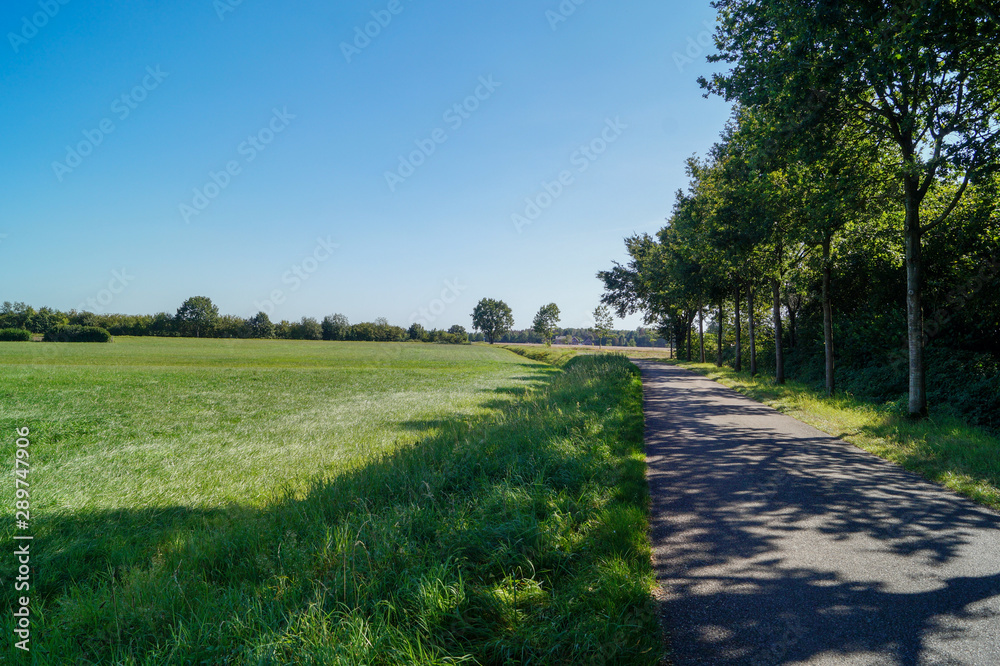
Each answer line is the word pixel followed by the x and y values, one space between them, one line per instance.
pixel 520 537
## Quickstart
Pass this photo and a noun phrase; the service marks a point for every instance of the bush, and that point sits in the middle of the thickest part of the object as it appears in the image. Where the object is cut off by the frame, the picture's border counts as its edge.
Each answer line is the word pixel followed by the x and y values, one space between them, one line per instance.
pixel 14 335
pixel 74 333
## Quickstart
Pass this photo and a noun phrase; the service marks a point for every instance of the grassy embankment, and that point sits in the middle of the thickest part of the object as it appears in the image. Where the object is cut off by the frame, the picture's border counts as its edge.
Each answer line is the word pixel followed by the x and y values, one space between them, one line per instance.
pixel 941 448
pixel 289 502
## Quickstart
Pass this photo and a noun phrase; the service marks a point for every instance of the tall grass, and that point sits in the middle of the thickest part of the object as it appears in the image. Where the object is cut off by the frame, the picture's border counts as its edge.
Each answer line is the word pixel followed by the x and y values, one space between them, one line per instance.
pixel 517 535
pixel 943 448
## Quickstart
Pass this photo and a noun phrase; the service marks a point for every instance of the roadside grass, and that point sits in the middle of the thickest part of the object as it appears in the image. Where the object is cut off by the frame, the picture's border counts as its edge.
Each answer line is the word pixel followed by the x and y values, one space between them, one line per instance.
pixel 942 448
pixel 559 354
pixel 550 355
pixel 503 519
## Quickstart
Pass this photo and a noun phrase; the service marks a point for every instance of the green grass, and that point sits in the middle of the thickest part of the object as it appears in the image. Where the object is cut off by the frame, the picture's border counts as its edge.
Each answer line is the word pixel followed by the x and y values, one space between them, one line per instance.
pixel 319 503
pixel 942 448
pixel 559 355
pixel 159 422
pixel 551 355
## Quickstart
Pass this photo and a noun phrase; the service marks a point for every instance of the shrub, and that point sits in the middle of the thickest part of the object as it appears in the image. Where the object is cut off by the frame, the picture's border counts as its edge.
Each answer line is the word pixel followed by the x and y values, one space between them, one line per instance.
pixel 14 335
pixel 74 333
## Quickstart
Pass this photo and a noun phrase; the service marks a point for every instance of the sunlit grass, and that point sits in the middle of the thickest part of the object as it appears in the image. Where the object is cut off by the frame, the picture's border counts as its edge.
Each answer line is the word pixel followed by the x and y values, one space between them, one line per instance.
pixel 146 422
pixel 348 503
pixel 941 448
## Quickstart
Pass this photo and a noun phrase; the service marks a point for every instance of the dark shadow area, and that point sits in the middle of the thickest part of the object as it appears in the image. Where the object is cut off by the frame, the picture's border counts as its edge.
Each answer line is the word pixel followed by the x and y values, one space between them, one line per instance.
pixel 775 543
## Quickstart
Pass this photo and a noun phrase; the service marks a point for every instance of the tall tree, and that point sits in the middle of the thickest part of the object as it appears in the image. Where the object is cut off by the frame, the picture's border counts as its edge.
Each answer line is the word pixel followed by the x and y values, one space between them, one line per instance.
pixel 924 75
pixel 197 314
pixel 493 318
pixel 603 323
pixel 546 321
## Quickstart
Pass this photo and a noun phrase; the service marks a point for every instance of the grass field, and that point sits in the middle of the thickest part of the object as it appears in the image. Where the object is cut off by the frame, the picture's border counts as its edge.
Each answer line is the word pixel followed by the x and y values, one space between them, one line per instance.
pixel 941 448
pixel 269 502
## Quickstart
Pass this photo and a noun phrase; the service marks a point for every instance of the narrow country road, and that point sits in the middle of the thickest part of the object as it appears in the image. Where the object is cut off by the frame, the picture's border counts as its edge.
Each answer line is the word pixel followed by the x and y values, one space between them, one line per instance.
pixel 775 543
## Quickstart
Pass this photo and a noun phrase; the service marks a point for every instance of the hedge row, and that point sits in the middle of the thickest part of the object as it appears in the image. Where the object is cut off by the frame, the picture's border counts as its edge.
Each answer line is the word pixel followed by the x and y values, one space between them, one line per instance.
pixel 74 333
pixel 14 335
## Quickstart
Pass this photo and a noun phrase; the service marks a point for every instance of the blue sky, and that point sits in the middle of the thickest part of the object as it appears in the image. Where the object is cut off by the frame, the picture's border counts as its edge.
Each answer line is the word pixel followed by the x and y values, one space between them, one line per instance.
pixel 275 156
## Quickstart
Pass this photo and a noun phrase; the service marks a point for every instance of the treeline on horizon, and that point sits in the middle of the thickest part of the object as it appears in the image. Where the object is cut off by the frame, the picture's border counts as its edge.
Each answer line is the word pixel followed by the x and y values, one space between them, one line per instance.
pixel 198 319
pixel 845 230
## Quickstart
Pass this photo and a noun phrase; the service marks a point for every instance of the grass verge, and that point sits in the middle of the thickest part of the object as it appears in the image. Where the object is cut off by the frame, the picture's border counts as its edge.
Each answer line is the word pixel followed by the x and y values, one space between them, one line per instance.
pixel 518 536
pixel 942 448
pixel 551 355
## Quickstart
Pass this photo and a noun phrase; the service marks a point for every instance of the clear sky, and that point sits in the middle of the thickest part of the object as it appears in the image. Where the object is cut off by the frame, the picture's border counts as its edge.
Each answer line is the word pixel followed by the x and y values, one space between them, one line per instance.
pixel 275 156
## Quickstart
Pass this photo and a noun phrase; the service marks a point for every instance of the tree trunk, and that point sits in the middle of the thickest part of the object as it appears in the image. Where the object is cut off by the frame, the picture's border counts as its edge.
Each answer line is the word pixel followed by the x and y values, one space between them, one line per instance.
pixel 779 352
pixel 719 361
pixel 753 332
pixel 914 313
pixel 827 317
pixel 701 332
pixel 687 320
pixel 792 311
pixel 739 347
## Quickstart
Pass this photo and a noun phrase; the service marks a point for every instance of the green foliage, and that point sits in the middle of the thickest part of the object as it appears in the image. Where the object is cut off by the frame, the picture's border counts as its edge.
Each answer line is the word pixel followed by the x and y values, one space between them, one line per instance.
pixel 45 320
pixel 546 321
pixel 416 332
pixel 14 335
pixel 493 318
pixel 307 328
pixel 230 326
pixel 459 333
pixel 15 315
pixel 377 331
pixel 260 326
pixel 196 315
pixel 72 333
pixel 603 323
pixel 336 327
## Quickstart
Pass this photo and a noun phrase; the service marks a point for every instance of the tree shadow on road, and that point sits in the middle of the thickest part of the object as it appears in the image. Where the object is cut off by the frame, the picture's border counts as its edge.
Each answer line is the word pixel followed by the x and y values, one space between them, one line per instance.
pixel 750 522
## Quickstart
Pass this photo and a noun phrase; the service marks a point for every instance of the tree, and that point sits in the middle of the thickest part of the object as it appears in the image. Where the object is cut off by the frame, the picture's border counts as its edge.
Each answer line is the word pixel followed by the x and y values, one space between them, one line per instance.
pixel 545 322
pixel 260 326
pixel 45 320
pixel 603 323
pixel 197 314
pixel 923 76
pixel 226 326
pixel 493 318
pixel 416 332
pixel 307 329
pixel 461 335
pixel 335 327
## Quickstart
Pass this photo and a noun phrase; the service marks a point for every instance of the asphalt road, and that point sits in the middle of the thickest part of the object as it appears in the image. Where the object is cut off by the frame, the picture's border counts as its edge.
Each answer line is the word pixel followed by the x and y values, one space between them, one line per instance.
pixel 774 543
